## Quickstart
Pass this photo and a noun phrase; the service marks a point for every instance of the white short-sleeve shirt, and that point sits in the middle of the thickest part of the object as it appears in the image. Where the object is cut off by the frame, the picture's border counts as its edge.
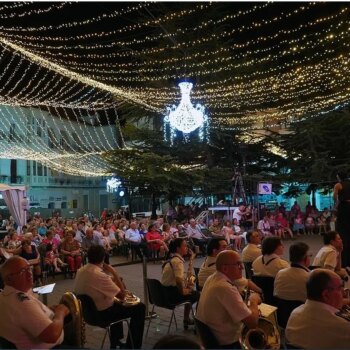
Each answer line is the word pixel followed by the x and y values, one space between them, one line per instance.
pixel 23 318
pixel 315 325
pixel 326 256
pixel 250 252
pixel 94 282
pixel 290 283
pixel 222 308
pixel 268 265
pixel 172 270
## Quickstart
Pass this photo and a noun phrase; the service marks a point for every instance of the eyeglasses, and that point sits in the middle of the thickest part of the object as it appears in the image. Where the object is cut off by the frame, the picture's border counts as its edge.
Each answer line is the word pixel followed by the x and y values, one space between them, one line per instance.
pixel 22 271
pixel 340 287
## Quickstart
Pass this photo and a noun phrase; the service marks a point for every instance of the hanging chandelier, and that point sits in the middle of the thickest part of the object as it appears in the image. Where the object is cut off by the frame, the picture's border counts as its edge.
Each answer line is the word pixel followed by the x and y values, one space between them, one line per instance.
pixel 185 117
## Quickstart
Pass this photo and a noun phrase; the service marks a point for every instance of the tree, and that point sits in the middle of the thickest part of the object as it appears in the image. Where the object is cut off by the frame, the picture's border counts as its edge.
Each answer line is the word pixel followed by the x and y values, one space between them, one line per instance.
pixel 153 167
pixel 314 150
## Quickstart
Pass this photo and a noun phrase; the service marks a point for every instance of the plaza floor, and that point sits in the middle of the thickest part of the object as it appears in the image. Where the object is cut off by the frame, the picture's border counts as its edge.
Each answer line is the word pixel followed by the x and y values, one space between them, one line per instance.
pixel 133 277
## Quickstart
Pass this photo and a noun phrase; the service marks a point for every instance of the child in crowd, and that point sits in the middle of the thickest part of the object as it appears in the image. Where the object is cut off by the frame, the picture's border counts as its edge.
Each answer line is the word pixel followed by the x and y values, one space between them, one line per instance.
pixel 52 259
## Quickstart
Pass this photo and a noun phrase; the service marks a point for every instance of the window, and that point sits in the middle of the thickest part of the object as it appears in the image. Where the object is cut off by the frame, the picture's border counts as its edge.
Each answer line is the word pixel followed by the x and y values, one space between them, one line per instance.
pixel 51 138
pixel 40 169
pixel 45 170
pixel 28 167
pixel 38 128
pixel 34 167
pixel 75 204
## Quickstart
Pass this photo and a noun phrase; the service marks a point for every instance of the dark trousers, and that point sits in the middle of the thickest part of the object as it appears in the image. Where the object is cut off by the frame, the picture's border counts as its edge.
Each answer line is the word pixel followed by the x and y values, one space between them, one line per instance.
pixel 343 228
pixel 202 243
pixel 140 249
pixel 136 313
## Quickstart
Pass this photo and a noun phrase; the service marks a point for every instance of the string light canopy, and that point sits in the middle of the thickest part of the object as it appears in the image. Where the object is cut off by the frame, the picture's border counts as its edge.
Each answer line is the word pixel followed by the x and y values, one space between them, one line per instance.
pixel 68 69
pixel 185 118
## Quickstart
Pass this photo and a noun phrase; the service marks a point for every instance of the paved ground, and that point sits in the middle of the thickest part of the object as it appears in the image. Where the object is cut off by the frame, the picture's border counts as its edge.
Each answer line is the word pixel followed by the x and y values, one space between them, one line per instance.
pixel 133 277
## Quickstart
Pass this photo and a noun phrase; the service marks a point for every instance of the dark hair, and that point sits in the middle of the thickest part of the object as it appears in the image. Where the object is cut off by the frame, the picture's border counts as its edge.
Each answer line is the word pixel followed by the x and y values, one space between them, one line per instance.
pixel 151 226
pixel 176 243
pixel 174 341
pixel 317 282
pixel 96 254
pixel 297 251
pixel 48 247
pixel 26 242
pixel 270 244
pixel 214 243
pixel 329 236
pixel 249 234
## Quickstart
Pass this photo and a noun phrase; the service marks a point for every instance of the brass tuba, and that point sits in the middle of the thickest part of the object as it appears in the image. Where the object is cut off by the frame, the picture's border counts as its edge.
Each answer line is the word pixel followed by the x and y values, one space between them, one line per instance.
pixel 265 336
pixel 74 325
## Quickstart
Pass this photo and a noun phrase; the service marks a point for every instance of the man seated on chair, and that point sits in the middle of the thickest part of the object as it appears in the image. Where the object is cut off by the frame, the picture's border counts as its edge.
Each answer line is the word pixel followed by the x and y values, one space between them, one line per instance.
pixel 252 250
pixel 270 262
pixel 329 256
pixel 215 246
pixel 317 324
pixel 24 320
pixel 177 289
pixel 221 307
pixel 194 233
pixel 102 283
pixel 290 283
pixel 133 236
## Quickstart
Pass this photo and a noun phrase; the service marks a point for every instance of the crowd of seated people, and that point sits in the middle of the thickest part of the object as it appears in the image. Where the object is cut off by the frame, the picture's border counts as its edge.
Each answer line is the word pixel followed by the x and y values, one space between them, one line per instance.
pixel 283 223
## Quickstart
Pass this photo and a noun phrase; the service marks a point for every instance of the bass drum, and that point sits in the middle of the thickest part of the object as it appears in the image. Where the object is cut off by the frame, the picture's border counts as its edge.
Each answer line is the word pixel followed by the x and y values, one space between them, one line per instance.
pixel 265 336
pixel 74 325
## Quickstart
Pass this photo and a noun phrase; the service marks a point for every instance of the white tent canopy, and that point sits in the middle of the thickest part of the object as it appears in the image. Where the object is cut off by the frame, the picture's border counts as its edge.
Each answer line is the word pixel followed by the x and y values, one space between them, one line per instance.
pixel 16 201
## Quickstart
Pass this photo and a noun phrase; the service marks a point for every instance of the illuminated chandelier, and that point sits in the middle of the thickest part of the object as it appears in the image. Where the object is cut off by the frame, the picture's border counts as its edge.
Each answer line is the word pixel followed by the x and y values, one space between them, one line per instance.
pixel 113 184
pixel 185 118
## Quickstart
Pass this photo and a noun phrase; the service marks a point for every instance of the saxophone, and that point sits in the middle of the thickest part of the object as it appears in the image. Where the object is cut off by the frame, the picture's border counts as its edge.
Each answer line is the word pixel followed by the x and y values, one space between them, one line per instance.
pixel 190 277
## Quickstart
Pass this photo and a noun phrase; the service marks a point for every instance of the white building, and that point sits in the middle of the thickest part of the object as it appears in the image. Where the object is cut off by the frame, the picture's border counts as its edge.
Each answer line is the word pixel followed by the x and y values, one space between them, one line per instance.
pixel 58 159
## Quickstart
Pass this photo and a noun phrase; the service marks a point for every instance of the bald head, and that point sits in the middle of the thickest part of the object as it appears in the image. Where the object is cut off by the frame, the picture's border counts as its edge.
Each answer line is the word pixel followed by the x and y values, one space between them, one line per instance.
pixel 229 263
pixel 16 272
pixel 226 257
pixel 325 286
pixel 10 266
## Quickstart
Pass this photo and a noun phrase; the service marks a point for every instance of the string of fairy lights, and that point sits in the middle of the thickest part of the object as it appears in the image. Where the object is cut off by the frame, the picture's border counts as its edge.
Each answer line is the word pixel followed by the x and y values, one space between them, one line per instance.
pixel 62 86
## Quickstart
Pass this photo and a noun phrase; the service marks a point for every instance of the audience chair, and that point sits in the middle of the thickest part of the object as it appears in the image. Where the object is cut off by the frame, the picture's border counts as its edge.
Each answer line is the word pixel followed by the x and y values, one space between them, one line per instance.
pixel 284 309
pixel 91 317
pixel 5 344
pixel 156 297
pixel 248 270
pixel 206 335
pixel 266 284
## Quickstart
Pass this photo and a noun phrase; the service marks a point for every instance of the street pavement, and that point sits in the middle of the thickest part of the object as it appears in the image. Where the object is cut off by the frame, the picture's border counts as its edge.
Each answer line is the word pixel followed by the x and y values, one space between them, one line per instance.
pixel 133 278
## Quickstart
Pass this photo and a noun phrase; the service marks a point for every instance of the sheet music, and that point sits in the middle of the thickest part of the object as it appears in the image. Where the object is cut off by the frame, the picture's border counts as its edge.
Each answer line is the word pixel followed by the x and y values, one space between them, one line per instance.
pixel 44 289
pixel 267 310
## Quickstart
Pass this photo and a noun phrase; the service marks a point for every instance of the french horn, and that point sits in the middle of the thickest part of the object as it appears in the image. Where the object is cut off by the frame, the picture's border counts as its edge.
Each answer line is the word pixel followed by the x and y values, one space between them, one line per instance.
pixel 74 325
pixel 265 336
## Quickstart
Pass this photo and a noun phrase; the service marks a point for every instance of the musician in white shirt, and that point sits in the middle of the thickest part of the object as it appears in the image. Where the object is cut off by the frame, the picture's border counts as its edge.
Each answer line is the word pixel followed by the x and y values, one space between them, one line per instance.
pixel 270 262
pixel 317 324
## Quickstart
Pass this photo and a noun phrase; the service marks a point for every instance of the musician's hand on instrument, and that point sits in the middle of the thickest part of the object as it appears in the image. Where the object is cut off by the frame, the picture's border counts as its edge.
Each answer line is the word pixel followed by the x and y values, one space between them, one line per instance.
pixel 255 298
pixel 108 268
pixel 121 295
pixel 60 308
